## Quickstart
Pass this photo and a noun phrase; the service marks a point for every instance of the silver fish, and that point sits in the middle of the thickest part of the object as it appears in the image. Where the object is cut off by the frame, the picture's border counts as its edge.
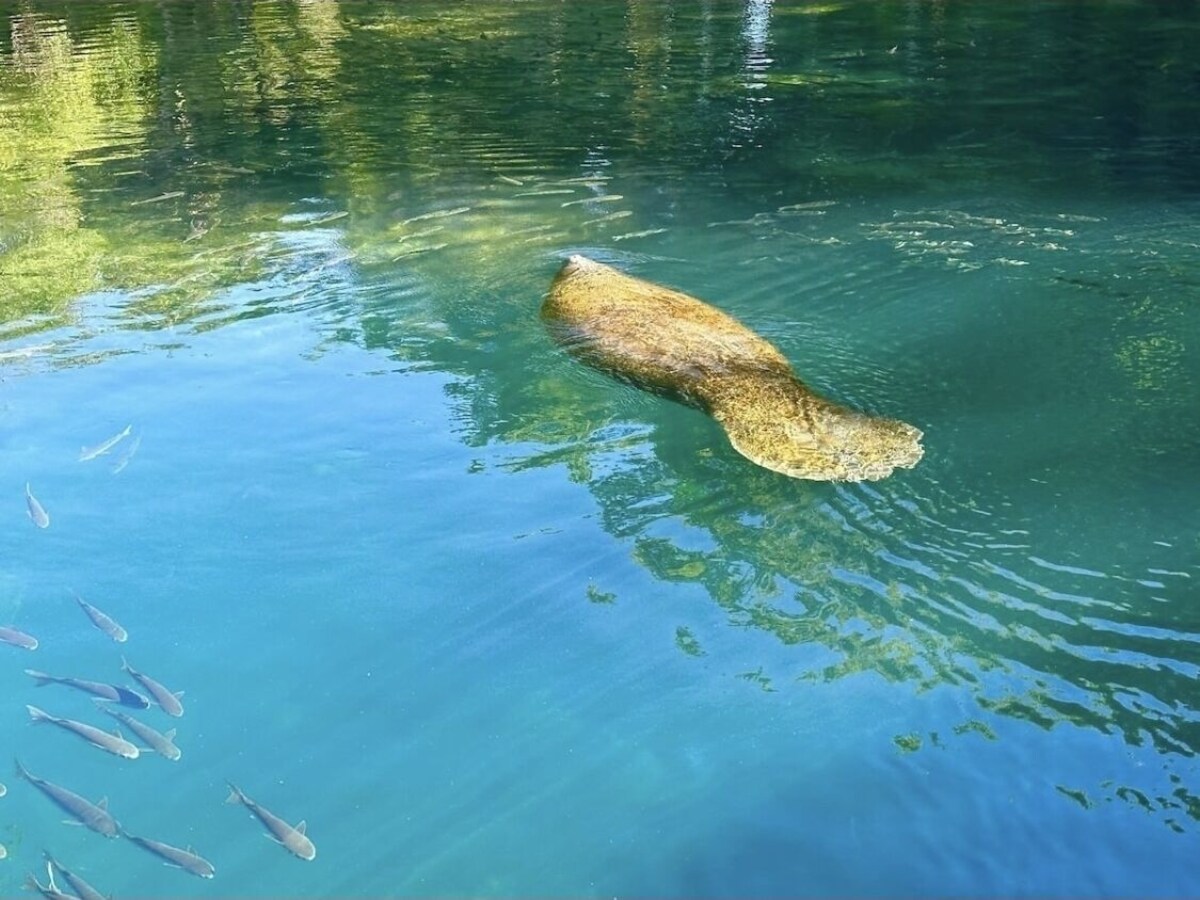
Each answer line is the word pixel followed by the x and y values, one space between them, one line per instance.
pixel 3 852
pixel 49 890
pixel 82 889
pixel 127 455
pixel 97 737
pixel 3 790
pixel 104 622
pixel 161 743
pixel 169 195
pixel 294 839
pixel 112 692
pixel 94 815
pixel 104 446
pixel 166 699
pixel 9 635
pixel 175 856
pixel 37 512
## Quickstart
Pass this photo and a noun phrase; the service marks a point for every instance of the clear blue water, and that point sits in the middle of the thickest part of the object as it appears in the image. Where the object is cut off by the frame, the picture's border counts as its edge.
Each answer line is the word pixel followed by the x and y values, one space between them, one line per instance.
pixel 494 624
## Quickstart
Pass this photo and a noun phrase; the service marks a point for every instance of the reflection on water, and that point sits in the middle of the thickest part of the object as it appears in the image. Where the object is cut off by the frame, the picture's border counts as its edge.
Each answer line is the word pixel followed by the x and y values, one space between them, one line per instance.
pixel 927 225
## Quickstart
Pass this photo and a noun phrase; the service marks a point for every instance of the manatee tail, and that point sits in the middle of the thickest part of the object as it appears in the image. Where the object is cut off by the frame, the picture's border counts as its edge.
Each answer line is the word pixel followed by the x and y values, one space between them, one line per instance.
pixel 811 438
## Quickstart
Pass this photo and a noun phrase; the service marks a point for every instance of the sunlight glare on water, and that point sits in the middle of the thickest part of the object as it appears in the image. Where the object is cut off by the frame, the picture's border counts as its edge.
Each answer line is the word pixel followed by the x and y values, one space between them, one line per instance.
pixel 493 623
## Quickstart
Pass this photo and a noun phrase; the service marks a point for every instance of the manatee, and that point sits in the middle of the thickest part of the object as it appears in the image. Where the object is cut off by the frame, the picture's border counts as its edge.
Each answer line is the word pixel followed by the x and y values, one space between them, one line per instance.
pixel 677 346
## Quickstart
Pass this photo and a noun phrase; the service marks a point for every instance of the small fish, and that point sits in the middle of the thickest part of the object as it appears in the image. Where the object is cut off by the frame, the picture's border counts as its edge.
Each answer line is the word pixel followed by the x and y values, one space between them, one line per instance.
pixel 105 623
pixel 545 193
pixel 166 699
pixel 638 234
pixel 82 889
pixel 97 737
pixel 332 217
pixel 603 198
pixel 169 195
pixel 3 790
pixel 294 839
pixel 163 744
pixel 37 512
pixel 50 890
pixel 111 692
pixel 437 214
pixel 103 447
pixel 9 635
pixel 127 455
pixel 810 204
pixel 174 856
pixel 94 815
pixel 3 852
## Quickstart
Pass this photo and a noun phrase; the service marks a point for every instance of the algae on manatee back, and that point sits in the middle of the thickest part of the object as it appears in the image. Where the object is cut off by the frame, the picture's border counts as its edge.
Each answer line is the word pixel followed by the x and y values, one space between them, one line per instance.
pixel 673 344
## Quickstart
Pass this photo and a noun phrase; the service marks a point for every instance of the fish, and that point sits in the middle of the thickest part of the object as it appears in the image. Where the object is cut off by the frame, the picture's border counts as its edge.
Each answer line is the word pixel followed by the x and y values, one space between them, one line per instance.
pixel 49 890
pixel 127 455
pixel 3 790
pixel 37 512
pixel 169 195
pixel 437 214
pixel 104 622
pixel 97 737
pixel 292 838
pixel 86 453
pixel 10 635
pixel 603 198
pixel 161 743
pixel 3 852
pixel 166 699
pixel 94 815
pixel 174 856
pixel 112 692
pixel 82 889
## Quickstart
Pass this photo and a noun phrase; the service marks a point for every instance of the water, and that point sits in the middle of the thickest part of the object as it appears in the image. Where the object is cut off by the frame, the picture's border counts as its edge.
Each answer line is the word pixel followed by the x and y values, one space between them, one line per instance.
pixel 493 624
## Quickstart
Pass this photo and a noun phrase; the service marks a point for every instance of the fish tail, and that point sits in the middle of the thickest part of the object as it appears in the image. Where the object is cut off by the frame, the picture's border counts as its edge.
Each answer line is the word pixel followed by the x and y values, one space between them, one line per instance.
pixel 31 884
pixel 235 795
pixel 22 772
pixel 39 715
pixel 41 678
pixel 125 667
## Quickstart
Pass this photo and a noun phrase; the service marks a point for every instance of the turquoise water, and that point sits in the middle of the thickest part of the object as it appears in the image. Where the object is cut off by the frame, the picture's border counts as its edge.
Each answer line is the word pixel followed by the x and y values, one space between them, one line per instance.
pixel 493 624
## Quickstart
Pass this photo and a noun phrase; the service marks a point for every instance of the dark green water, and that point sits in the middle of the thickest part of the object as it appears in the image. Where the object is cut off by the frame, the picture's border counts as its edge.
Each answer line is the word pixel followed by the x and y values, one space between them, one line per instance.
pixel 493 624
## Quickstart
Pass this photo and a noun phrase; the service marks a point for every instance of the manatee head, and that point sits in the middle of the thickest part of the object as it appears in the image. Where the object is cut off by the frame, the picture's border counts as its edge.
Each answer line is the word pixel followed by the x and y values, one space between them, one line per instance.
pixel 798 434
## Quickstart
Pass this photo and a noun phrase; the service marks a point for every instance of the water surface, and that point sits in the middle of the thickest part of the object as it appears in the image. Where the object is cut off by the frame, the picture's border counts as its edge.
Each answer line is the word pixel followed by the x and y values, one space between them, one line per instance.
pixel 493 624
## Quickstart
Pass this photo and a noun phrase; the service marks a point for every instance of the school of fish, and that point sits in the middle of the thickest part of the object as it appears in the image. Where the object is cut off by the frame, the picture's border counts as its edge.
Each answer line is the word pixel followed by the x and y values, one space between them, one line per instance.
pixel 109 698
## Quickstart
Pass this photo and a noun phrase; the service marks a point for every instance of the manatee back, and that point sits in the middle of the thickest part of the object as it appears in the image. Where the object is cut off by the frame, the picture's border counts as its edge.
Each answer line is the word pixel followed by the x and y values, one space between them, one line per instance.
pixel 677 345
pixel 656 337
